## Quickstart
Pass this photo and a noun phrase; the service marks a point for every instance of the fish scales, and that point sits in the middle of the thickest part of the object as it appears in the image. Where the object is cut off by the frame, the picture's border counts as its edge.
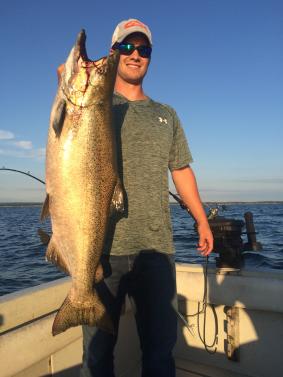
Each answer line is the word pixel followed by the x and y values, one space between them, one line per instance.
pixel 82 183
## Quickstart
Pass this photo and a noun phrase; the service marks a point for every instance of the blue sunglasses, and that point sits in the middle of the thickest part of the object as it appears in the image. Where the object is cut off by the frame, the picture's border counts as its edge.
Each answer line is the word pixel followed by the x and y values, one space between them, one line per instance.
pixel 128 48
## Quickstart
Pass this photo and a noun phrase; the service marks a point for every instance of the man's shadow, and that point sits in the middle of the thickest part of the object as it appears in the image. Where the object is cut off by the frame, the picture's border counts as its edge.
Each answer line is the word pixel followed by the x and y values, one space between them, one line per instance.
pixel 118 113
pixel 151 279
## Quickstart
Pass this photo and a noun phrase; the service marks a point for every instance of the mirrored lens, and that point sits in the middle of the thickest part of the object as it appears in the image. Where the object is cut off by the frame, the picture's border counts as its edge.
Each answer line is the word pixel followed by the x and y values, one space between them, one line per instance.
pixel 126 49
pixel 144 51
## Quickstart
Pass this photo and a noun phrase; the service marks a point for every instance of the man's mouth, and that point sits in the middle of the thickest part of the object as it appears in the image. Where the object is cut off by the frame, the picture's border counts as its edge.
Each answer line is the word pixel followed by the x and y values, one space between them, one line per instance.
pixel 133 66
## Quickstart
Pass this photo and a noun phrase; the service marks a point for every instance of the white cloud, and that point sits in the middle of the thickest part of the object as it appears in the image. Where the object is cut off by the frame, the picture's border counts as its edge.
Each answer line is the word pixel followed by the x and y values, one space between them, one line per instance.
pixel 6 135
pixel 13 153
pixel 24 153
pixel 23 144
pixel 19 148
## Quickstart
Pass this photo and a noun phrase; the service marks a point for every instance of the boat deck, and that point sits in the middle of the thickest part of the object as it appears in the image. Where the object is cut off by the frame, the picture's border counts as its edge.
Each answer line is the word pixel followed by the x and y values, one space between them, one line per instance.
pixel 254 329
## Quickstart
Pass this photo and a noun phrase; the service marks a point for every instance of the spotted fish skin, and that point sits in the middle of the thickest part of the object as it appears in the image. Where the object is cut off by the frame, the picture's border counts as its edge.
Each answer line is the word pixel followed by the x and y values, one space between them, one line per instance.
pixel 82 183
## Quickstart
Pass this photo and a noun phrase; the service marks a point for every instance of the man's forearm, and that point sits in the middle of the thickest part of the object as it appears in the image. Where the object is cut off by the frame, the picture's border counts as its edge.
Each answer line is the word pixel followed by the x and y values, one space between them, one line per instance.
pixel 186 186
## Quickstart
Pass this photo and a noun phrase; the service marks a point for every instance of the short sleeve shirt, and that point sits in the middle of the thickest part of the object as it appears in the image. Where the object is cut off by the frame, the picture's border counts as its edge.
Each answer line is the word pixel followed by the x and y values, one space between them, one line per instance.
pixel 150 139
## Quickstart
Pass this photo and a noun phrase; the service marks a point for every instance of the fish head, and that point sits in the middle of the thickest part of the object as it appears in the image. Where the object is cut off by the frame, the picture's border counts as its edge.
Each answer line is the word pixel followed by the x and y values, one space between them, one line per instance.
pixel 86 82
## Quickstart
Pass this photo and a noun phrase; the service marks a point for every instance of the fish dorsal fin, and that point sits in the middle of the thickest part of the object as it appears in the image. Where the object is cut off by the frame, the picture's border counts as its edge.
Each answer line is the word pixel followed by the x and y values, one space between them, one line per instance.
pixel 117 204
pixel 45 209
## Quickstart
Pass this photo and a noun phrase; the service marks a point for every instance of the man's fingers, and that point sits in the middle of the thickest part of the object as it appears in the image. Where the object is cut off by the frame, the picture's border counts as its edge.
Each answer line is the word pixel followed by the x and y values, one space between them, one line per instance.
pixel 205 246
pixel 209 247
pixel 202 244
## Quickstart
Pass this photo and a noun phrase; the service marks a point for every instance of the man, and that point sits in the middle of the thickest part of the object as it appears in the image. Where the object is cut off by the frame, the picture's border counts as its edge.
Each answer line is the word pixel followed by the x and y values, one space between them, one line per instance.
pixel 141 263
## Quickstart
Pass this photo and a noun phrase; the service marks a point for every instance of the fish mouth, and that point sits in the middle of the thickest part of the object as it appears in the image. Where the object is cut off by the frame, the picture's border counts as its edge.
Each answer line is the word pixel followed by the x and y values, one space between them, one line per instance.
pixel 85 82
pixel 100 64
pixel 80 45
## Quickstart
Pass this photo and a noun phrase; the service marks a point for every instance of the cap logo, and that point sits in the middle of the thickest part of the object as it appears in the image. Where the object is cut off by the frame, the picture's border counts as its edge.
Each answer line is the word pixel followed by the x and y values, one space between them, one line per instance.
pixel 134 23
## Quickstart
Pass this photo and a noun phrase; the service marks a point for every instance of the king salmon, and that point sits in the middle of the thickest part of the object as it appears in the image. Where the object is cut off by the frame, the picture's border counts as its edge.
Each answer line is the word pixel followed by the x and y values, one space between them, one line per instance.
pixel 82 184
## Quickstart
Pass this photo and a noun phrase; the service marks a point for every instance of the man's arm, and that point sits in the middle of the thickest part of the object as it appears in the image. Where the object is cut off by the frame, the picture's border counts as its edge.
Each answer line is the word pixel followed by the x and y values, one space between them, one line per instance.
pixel 186 186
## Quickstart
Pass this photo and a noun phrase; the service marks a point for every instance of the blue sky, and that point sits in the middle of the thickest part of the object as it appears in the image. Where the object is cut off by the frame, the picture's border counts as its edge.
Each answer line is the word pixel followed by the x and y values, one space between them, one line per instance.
pixel 219 63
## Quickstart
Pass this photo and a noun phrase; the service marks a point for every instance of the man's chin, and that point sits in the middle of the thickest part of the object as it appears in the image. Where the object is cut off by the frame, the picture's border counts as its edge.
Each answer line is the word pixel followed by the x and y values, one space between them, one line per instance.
pixel 131 78
pixel 134 80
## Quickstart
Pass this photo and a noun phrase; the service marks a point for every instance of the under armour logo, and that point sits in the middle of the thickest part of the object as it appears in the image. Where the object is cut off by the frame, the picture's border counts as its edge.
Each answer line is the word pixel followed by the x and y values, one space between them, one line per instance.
pixel 161 120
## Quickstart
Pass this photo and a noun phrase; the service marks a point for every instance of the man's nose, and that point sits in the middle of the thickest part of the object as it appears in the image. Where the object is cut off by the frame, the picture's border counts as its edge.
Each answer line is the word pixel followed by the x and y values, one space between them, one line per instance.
pixel 135 55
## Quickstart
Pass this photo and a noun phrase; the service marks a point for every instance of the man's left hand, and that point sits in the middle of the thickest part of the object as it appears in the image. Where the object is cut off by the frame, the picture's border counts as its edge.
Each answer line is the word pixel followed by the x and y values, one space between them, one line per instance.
pixel 205 245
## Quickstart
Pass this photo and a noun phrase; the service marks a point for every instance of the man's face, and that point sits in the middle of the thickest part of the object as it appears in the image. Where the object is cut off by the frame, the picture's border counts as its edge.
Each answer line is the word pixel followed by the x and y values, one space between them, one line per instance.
pixel 133 68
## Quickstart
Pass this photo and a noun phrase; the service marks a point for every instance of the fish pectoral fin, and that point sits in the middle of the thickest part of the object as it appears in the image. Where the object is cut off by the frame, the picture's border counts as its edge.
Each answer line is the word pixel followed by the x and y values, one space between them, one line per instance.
pixel 45 209
pixel 58 115
pixel 44 237
pixel 117 204
pixel 70 315
pixel 52 255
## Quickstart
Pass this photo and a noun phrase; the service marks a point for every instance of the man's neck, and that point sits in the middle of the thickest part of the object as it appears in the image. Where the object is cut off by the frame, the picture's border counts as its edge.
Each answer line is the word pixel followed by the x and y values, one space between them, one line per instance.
pixel 131 91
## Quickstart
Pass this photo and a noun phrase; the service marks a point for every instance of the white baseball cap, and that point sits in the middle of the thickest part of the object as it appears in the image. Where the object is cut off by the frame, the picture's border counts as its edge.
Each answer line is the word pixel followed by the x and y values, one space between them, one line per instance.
pixel 127 27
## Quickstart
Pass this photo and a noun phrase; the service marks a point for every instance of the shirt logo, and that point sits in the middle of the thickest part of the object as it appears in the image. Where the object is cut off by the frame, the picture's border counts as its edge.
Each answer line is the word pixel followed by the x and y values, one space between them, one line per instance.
pixel 162 120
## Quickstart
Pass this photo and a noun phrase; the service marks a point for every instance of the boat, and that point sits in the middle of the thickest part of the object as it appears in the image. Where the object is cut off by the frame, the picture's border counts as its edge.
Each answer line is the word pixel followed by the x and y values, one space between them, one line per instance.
pixel 230 325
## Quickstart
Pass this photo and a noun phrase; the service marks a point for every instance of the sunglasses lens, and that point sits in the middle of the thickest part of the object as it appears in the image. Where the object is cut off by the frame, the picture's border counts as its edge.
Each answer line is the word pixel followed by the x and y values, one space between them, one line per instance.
pixel 126 49
pixel 144 51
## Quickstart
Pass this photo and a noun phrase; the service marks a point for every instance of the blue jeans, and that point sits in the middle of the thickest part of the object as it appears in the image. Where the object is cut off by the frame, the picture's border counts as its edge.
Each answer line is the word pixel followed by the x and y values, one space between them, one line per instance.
pixel 149 279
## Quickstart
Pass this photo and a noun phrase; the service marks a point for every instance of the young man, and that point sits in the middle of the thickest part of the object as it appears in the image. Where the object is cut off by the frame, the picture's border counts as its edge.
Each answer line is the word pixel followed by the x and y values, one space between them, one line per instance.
pixel 150 140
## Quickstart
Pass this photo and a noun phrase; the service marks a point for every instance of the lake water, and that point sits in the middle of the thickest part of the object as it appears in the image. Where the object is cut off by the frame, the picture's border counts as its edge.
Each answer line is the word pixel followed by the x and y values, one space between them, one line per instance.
pixel 22 254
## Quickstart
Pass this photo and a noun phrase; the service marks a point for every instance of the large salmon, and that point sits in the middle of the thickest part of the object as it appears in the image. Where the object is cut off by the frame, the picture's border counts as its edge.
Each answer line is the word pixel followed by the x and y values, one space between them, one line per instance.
pixel 82 184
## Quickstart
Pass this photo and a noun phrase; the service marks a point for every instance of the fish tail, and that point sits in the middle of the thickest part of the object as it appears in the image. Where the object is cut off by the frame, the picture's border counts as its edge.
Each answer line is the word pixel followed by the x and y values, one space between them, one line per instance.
pixel 70 316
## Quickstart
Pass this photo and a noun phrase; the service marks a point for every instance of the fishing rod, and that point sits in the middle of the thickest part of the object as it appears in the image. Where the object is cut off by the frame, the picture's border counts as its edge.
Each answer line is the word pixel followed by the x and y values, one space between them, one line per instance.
pixel 181 203
pixel 178 200
pixel 213 211
pixel 23 172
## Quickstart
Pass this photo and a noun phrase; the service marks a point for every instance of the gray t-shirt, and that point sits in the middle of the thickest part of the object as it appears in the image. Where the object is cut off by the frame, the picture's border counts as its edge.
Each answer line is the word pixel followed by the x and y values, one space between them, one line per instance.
pixel 150 140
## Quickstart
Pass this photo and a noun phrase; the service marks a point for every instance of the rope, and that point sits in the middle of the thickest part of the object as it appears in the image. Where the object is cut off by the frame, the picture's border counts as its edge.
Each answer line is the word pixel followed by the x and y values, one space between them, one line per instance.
pixel 204 311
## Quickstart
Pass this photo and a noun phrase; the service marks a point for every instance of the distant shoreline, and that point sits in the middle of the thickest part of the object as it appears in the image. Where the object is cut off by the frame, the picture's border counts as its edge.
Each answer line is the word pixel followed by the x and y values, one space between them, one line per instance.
pixel 39 204
pixel 21 204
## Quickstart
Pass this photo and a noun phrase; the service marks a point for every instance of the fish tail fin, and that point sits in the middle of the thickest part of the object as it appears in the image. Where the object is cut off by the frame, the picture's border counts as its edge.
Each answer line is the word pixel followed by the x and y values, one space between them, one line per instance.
pixel 70 315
